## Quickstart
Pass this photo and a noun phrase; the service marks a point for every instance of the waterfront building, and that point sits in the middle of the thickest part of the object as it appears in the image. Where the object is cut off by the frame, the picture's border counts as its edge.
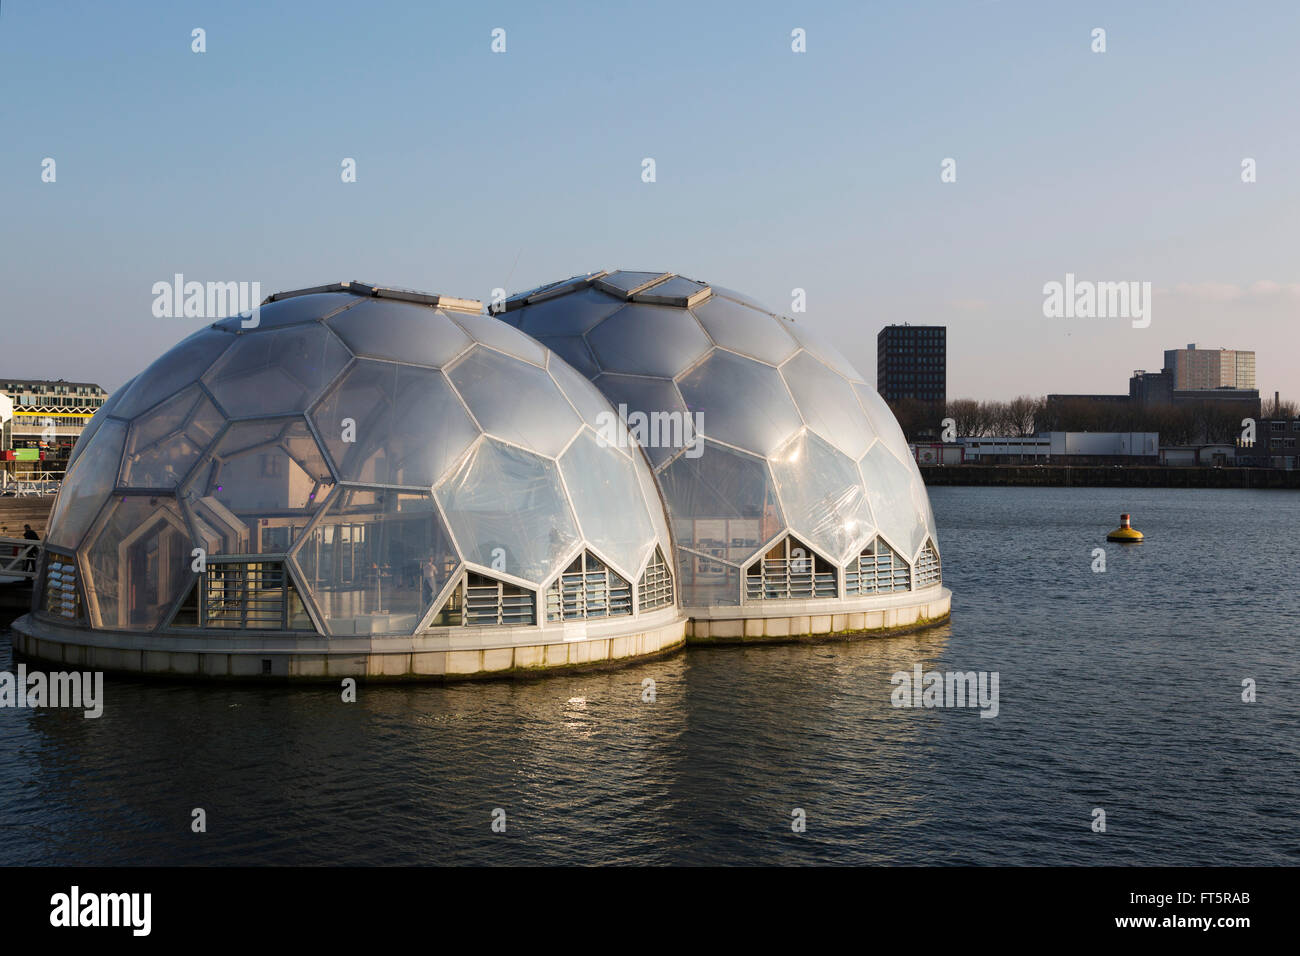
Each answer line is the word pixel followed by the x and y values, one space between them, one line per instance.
pixel 1275 444
pixel 47 418
pixel 912 363
pixel 796 505
pixel 1059 447
pixel 373 482
pixel 1197 369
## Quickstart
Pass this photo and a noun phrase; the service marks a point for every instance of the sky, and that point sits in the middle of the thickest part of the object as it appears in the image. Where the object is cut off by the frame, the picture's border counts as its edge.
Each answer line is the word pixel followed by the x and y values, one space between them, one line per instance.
pixel 775 170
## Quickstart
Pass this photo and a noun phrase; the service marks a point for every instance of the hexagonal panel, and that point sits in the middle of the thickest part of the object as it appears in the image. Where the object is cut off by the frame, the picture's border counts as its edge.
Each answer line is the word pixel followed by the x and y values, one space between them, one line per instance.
pixel 515 401
pixel 166 442
pixel 277 372
pixel 741 402
pixel 498 335
pixel 408 425
pixel 889 489
pixel 176 368
pixel 746 330
pixel 258 496
pixel 138 562
pixel 821 347
pixel 86 486
pixel 824 499
pixel 648 340
pixel 92 426
pixel 508 512
pixel 400 331
pixel 376 561
pixel 722 503
pixel 828 404
pixel 608 501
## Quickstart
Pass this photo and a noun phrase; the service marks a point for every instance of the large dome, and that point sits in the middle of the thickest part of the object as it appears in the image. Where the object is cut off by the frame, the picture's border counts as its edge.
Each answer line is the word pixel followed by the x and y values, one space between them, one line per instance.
pixel 803 485
pixel 363 462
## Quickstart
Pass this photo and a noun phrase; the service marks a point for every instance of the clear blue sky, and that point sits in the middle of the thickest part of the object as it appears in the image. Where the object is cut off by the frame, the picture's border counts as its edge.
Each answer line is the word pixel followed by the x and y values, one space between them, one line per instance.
pixel 775 170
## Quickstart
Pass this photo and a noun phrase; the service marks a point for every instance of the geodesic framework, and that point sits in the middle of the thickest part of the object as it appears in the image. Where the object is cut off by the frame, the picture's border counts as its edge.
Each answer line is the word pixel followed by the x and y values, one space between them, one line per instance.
pixel 798 482
pixel 365 461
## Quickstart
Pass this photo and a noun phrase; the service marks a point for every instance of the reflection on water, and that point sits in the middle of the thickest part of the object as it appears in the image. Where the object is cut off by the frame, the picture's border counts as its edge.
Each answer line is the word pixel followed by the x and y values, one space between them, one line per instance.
pixel 1118 690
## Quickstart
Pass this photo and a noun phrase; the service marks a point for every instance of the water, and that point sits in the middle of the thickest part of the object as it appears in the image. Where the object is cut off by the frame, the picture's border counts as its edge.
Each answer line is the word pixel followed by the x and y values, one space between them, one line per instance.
pixel 1118 690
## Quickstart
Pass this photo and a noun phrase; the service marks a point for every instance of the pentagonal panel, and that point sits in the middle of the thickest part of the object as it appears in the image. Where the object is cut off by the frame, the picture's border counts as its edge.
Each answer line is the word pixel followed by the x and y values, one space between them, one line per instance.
pixel 823 496
pixel 176 368
pixel 500 336
pixel 740 402
pixel 87 486
pixel 515 401
pixel 167 441
pixel 642 400
pixel 394 424
pixel 889 489
pixel 277 372
pixel 745 330
pixel 376 561
pixel 294 310
pixel 139 562
pixel 721 503
pixel 258 496
pixel 92 426
pixel 400 331
pixel 508 512
pixel 571 314
pixel 828 405
pixel 883 421
pixel 608 502
pixel 648 340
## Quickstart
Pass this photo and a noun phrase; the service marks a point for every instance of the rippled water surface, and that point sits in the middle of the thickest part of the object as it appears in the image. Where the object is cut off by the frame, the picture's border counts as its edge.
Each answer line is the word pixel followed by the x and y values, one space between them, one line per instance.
pixel 1119 690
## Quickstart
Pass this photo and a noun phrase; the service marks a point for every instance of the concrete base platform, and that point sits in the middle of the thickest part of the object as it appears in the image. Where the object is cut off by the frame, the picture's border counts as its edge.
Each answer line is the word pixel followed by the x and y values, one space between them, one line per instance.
pixel 848 618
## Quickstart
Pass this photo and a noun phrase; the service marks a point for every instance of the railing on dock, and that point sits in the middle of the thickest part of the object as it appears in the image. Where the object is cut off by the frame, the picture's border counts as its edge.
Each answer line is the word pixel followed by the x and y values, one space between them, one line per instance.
pixel 19 557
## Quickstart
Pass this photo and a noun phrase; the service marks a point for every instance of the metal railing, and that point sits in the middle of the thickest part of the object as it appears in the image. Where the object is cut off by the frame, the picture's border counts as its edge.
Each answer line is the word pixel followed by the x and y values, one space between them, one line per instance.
pixel 19 557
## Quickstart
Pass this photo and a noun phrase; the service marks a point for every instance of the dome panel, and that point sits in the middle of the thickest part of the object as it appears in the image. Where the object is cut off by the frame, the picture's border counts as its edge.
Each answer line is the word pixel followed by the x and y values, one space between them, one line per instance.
pixel 707 583
pixel 514 401
pixel 573 349
pixel 260 496
pixel 883 421
pixel 179 366
pixel 571 314
pixel 377 561
pixel 889 489
pixel 828 405
pixel 86 487
pixel 584 396
pixel 741 402
pixel 498 335
pixel 824 350
pixel 608 502
pixel 277 372
pixel 407 425
pixel 646 396
pixel 96 420
pixel 294 310
pixel 508 511
pixel 722 503
pixel 648 340
pixel 399 331
pixel 825 502
pixel 138 562
pixel 166 442
pixel 746 330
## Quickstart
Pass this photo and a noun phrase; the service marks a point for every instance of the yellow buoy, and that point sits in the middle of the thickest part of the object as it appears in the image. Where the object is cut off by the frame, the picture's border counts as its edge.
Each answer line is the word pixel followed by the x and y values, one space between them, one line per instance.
pixel 1124 532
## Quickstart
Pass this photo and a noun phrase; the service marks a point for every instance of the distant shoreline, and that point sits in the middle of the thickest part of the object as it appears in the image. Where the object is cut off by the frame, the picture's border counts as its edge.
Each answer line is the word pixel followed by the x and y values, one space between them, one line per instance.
pixel 1109 476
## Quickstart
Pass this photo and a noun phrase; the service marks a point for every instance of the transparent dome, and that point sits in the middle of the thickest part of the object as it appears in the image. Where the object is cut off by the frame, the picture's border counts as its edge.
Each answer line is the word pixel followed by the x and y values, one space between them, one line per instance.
pixel 783 471
pixel 364 461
